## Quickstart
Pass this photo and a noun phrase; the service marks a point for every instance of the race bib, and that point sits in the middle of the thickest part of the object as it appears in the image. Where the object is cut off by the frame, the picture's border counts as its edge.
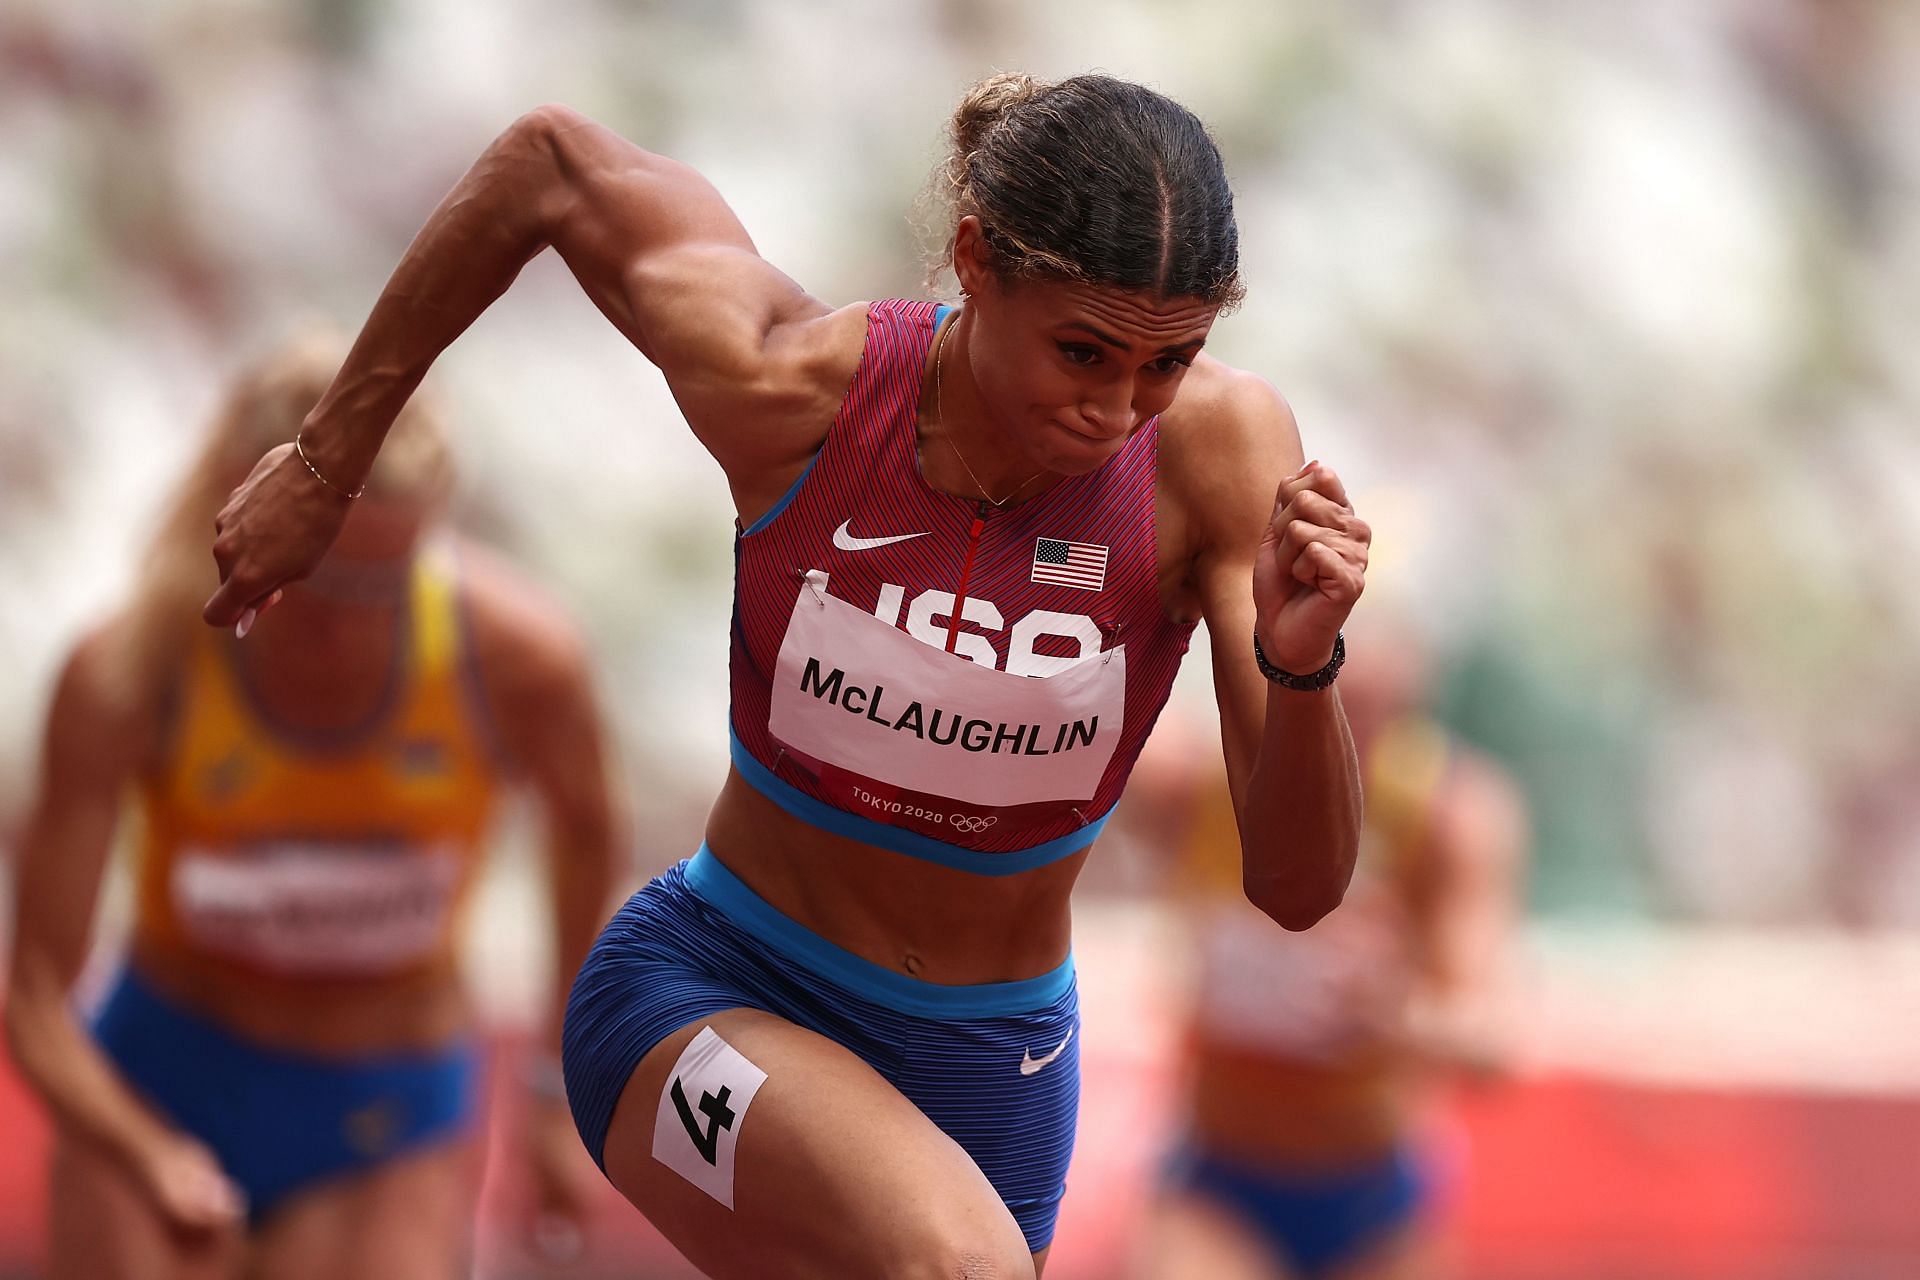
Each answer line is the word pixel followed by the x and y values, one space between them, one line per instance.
pixel 901 730
pixel 318 909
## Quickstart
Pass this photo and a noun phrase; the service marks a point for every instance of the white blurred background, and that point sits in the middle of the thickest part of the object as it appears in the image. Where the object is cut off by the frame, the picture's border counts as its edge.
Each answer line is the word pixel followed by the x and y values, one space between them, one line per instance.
pixel 1605 312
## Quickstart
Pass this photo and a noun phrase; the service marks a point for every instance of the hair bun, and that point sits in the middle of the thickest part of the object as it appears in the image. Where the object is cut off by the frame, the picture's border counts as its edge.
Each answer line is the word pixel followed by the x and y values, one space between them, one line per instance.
pixel 987 104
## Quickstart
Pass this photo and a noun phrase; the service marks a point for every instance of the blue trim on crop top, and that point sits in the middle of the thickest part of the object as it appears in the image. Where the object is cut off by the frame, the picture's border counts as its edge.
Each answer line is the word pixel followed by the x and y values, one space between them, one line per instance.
pixel 819 813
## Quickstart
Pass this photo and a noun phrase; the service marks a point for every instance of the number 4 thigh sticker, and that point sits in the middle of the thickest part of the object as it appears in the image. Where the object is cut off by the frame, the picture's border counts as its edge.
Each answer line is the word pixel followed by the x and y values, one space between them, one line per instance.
pixel 701 1110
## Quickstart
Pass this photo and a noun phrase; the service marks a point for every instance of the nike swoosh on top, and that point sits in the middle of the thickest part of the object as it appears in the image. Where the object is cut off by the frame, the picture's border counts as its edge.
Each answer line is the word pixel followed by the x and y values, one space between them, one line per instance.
pixel 1030 1064
pixel 847 542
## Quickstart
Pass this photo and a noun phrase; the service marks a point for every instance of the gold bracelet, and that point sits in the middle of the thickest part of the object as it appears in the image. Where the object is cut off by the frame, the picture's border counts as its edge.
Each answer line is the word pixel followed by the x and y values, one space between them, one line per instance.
pixel 301 449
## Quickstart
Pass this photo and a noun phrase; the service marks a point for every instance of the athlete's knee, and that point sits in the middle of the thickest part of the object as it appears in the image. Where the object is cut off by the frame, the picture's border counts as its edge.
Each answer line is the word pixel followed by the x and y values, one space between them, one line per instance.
pixel 986 1266
pixel 975 1266
pixel 970 1259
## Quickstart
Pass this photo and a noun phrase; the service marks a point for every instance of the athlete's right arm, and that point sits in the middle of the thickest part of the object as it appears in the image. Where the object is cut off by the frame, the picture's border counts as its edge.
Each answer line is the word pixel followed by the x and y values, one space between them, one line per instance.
pixel 98 730
pixel 756 364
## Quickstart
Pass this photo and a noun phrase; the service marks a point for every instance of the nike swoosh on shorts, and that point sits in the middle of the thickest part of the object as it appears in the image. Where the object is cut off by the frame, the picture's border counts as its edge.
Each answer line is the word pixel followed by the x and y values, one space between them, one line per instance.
pixel 847 542
pixel 1030 1064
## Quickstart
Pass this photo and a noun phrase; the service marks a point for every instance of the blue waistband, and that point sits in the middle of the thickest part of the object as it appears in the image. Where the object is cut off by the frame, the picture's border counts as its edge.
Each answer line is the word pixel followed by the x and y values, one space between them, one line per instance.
pixel 818 813
pixel 707 876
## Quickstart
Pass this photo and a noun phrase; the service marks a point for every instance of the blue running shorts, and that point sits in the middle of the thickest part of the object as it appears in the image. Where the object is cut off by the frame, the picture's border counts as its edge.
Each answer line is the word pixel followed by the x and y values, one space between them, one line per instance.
pixel 1315 1222
pixel 279 1121
pixel 995 1066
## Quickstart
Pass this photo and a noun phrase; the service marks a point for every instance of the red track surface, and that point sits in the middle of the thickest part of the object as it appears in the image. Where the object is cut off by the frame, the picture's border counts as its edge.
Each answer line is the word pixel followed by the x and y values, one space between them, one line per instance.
pixel 1570 1179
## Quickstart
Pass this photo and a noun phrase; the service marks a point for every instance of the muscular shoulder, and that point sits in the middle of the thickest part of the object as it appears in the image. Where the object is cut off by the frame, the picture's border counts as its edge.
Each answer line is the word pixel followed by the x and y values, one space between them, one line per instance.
pixel 1225 445
pixel 763 413
pixel 810 363
pixel 109 698
pixel 1224 406
pixel 532 658
pixel 753 358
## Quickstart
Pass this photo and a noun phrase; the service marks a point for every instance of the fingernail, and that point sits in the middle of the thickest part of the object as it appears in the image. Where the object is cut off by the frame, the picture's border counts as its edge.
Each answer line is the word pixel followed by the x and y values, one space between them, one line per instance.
pixel 245 624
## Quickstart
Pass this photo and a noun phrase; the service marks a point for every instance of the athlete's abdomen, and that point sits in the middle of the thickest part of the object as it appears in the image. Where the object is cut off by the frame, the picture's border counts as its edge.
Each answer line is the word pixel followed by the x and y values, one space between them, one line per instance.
pixel 1292 1036
pixel 414 1011
pixel 1254 1107
pixel 892 911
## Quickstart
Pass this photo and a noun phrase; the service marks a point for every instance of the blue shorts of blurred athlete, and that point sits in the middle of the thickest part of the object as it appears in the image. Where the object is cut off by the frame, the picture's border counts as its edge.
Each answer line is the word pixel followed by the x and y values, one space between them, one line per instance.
pixel 697 941
pixel 282 1122
pixel 1318 1222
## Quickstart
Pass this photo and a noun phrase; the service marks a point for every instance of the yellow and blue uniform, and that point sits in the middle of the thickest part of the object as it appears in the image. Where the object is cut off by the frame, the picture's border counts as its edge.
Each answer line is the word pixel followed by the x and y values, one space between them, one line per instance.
pixel 299 862
pixel 1302 1104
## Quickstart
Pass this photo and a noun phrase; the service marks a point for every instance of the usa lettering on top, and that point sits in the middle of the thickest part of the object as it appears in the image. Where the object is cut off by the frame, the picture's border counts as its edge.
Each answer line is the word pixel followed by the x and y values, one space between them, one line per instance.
pixel 985 686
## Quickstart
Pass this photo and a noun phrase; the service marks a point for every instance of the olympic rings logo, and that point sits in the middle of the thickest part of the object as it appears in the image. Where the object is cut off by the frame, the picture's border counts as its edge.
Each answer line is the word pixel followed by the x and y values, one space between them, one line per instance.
pixel 972 824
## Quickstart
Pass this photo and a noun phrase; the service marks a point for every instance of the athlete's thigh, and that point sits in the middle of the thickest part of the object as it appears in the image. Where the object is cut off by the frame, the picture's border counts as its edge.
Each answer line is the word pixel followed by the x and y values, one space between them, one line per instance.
pixel 1192 1237
pixel 101 1228
pixel 832 1173
pixel 408 1216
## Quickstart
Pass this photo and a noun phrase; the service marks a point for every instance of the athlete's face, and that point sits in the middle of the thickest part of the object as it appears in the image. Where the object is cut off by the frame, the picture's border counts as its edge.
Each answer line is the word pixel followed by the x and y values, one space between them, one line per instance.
pixel 370 561
pixel 382 526
pixel 382 529
pixel 1071 370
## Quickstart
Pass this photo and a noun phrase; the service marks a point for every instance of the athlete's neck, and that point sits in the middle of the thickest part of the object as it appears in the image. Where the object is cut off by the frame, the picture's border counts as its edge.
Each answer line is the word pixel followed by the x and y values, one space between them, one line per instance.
pixel 964 450
pixel 341 580
pixel 320 663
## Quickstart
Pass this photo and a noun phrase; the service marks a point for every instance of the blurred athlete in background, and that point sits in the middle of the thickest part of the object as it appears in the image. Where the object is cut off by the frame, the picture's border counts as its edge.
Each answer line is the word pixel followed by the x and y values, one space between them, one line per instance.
pixel 1309 1151
pixel 973 543
pixel 283 1079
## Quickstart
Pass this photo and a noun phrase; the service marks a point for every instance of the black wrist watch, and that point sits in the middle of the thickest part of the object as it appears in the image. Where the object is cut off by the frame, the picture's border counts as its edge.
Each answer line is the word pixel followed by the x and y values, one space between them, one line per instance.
pixel 1308 683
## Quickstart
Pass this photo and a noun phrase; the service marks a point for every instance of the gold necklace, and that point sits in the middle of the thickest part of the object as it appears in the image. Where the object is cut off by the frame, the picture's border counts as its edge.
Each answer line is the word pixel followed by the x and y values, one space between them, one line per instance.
pixel 940 413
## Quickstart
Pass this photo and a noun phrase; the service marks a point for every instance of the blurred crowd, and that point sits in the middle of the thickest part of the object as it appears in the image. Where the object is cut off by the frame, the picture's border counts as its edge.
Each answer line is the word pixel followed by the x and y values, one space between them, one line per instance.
pixel 1606 312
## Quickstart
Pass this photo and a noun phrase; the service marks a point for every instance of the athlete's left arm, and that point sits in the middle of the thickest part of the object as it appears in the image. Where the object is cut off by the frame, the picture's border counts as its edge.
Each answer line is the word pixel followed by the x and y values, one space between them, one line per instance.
pixel 1466 891
pixel 538 681
pixel 1277 549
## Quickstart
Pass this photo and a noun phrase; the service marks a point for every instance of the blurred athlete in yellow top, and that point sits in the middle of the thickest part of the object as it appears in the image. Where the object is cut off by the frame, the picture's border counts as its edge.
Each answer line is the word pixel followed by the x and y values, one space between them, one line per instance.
pixel 282 1081
pixel 1310 1052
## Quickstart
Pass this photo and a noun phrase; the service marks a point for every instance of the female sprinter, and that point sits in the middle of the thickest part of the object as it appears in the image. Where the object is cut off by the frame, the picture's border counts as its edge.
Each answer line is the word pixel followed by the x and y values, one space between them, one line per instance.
pixel 1310 1152
pixel 282 1081
pixel 971 545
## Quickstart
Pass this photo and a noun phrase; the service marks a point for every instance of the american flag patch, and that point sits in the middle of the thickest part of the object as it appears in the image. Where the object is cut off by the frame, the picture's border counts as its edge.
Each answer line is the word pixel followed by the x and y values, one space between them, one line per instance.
pixel 1070 564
